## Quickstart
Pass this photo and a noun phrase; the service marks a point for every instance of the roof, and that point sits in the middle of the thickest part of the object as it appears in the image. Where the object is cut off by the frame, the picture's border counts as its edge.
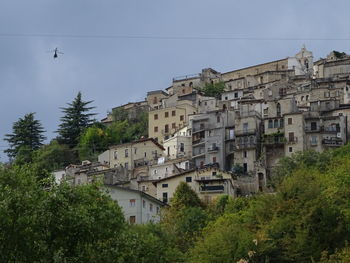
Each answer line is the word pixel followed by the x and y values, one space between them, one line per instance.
pixel 266 63
pixel 157 92
pixel 139 141
pixel 176 175
pixel 138 192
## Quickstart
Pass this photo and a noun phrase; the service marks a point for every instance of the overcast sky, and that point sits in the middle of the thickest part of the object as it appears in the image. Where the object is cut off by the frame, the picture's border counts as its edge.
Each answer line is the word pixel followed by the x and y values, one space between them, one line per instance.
pixel 113 71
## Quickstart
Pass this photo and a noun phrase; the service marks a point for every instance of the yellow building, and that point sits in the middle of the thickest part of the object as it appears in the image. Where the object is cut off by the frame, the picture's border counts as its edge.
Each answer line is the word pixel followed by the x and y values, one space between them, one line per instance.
pixel 166 121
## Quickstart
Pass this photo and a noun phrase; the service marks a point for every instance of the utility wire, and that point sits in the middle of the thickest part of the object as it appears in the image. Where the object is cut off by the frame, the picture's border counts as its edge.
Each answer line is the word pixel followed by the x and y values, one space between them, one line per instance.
pixel 159 37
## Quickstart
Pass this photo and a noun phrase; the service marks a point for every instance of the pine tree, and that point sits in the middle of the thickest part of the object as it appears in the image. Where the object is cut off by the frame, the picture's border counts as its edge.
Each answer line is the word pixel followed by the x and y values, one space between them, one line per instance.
pixel 75 120
pixel 27 136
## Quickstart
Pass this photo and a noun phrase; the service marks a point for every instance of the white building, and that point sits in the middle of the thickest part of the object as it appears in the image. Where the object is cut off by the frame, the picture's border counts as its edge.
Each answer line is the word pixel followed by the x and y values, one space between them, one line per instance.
pixel 138 207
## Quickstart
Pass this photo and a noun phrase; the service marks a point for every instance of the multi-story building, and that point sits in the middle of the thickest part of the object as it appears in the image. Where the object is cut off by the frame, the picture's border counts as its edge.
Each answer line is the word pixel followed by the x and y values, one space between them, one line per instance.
pixel 208 137
pixel 137 206
pixel 179 145
pixel 134 154
pixel 208 183
pixel 164 122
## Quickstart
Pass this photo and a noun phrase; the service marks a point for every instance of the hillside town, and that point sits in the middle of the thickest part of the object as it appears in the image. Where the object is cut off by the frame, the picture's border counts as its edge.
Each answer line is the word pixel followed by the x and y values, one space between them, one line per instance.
pixel 223 144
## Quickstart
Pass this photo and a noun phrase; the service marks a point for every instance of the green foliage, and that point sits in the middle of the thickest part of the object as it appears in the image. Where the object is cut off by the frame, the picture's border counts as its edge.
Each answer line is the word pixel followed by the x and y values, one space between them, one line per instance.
pixel 338 54
pixel 97 138
pixel 149 244
pixel 213 89
pixel 185 197
pixel 59 224
pixel 26 137
pixel 54 156
pixel 74 121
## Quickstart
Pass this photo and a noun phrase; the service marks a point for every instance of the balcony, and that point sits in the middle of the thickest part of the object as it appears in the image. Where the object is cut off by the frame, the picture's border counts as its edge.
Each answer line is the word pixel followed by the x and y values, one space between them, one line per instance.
pixel 247 145
pixel 245 132
pixel 274 140
pixel 245 114
pixel 196 142
pixel 199 153
pixel 199 129
pixel 330 129
pixel 213 149
pixel 313 128
pixel 335 142
pixel 292 140
pixel 212 188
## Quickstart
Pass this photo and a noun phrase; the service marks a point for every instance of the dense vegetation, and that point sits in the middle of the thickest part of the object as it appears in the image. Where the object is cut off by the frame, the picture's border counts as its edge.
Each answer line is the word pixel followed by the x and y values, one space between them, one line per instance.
pixel 79 138
pixel 307 219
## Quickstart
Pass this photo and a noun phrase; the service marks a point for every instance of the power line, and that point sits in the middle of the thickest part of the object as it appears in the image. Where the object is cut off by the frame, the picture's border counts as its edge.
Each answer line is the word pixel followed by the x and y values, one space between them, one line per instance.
pixel 160 37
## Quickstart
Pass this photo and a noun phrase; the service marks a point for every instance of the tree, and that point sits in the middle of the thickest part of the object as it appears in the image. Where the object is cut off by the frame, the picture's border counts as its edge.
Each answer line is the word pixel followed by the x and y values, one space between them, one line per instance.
pixel 26 137
pixel 214 89
pixel 57 224
pixel 75 120
pixel 54 156
pixel 184 196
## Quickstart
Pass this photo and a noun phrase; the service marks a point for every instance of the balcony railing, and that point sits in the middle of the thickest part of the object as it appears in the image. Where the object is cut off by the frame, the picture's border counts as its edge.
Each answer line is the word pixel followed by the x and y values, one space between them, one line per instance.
pixel 199 129
pixel 211 188
pixel 274 140
pixel 213 149
pixel 245 132
pixel 332 142
pixel 245 145
pixel 197 141
pixel 313 129
pixel 293 140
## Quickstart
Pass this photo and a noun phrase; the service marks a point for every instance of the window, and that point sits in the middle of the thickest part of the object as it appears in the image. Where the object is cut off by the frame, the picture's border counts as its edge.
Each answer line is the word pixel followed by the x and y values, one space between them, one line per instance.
pixel 126 165
pixel 236 94
pixel 143 203
pixel 266 112
pixel 165 197
pixel 188 179
pixel 155 116
pixel 135 150
pixel 151 207
pixel 173 125
pixel 164 185
pixel 173 113
pixel 278 110
pixel 281 123
pixel 313 126
pixel 270 124
pixel 145 154
pixel 291 136
pixel 156 129
pixel 181 117
pixel 313 140
pixel 214 159
pixel 290 121
pixel 126 152
pixel 182 147
pixel 290 149
pixel 115 155
pixel 218 119
pixel 166 128
pixel 245 168
pixel 307 97
pixel 245 127
pixel 132 202
pixel 275 124
pixel 132 219
pixel 158 209
pixel 326 94
pixel 155 171
pixel 166 114
pixel 302 98
pixel 244 154
pixel 155 100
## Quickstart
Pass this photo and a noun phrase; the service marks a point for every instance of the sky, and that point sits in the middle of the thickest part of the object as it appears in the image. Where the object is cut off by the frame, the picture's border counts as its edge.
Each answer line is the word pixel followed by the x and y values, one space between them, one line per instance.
pixel 115 51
